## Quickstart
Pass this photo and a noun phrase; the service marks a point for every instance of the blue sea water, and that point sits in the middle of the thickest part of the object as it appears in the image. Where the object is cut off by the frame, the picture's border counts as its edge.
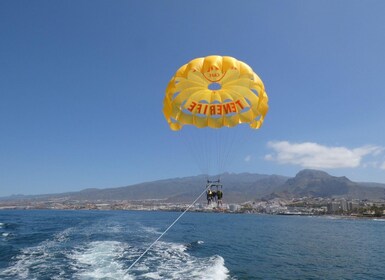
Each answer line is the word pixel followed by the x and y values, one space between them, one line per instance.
pixel 42 244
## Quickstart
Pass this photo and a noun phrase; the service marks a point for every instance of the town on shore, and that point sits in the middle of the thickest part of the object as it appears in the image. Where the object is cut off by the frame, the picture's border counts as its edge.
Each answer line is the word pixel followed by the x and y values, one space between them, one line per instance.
pixel 276 206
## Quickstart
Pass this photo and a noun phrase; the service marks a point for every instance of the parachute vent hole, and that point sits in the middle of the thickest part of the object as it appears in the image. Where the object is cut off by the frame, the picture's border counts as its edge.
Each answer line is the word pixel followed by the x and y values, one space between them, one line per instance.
pixel 215 86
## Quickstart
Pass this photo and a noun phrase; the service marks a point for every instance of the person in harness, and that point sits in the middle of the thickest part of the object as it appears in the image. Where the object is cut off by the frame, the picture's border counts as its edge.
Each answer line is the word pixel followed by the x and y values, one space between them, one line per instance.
pixel 219 197
pixel 209 195
pixel 213 195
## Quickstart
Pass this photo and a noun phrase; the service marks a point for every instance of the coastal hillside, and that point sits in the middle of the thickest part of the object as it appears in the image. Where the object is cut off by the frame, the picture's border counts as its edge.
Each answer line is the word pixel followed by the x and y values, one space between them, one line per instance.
pixel 315 183
pixel 237 188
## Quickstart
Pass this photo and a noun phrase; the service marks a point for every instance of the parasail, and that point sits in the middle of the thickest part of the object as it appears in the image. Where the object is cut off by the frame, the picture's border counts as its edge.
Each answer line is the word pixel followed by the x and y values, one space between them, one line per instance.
pixel 215 92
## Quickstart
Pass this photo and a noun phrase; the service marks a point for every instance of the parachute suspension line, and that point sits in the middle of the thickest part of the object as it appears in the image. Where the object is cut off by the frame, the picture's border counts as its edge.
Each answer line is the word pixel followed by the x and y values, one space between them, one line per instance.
pixel 228 150
pixel 211 149
pixel 192 144
pixel 219 141
pixel 213 146
pixel 203 148
pixel 222 146
pixel 225 140
pixel 170 226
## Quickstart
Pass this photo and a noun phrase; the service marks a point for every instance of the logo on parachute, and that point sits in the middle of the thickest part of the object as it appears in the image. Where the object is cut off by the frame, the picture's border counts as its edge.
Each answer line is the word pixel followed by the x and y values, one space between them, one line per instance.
pixel 213 74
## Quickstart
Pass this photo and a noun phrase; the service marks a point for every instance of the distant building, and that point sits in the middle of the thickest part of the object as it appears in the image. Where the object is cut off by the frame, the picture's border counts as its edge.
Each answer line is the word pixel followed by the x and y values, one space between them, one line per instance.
pixel 334 206
pixel 353 205
pixel 344 205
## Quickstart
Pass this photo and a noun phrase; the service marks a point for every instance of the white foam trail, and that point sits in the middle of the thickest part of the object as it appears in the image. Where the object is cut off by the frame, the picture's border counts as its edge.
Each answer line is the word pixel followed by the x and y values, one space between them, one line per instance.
pixel 5 234
pixel 216 271
pixel 100 260
pixel 151 230
pixel 62 236
pixel 38 258
pixel 171 261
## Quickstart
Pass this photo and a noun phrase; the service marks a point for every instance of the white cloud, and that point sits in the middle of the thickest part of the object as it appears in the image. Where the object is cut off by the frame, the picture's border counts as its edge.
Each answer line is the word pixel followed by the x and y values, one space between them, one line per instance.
pixel 247 158
pixel 313 155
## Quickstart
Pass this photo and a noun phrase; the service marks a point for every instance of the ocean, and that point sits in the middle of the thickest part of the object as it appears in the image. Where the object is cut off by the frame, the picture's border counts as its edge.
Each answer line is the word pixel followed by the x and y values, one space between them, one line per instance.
pixel 45 244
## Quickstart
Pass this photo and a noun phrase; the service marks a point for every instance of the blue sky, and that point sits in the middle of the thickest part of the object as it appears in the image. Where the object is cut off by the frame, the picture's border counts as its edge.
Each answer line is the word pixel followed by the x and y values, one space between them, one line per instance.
pixel 82 85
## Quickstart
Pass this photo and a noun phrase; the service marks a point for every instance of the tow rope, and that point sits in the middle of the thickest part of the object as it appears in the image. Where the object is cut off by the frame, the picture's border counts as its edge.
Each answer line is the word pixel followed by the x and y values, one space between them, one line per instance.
pixel 173 223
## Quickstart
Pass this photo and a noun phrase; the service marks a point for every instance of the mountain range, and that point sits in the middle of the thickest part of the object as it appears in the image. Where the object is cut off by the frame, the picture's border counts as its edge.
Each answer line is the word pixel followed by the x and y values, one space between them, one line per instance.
pixel 237 188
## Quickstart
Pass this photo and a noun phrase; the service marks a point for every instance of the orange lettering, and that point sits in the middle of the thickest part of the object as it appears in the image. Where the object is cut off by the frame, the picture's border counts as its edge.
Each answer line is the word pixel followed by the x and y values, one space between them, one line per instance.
pixel 219 109
pixel 239 104
pixel 199 107
pixel 233 108
pixel 212 109
pixel 205 111
pixel 192 106
pixel 227 108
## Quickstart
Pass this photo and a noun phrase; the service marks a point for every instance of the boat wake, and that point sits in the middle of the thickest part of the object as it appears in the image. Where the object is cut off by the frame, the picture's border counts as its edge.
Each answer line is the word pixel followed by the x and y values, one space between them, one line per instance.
pixel 71 255
pixel 100 260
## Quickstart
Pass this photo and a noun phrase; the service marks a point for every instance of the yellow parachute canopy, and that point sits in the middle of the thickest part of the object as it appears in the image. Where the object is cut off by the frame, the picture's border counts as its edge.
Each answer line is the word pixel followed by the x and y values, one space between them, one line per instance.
pixel 215 91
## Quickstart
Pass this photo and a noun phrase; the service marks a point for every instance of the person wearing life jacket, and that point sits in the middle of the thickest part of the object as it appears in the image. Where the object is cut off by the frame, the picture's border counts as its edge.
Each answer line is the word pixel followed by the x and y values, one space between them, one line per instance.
pixel 219 197
pixel 209 196
pixel 214 196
